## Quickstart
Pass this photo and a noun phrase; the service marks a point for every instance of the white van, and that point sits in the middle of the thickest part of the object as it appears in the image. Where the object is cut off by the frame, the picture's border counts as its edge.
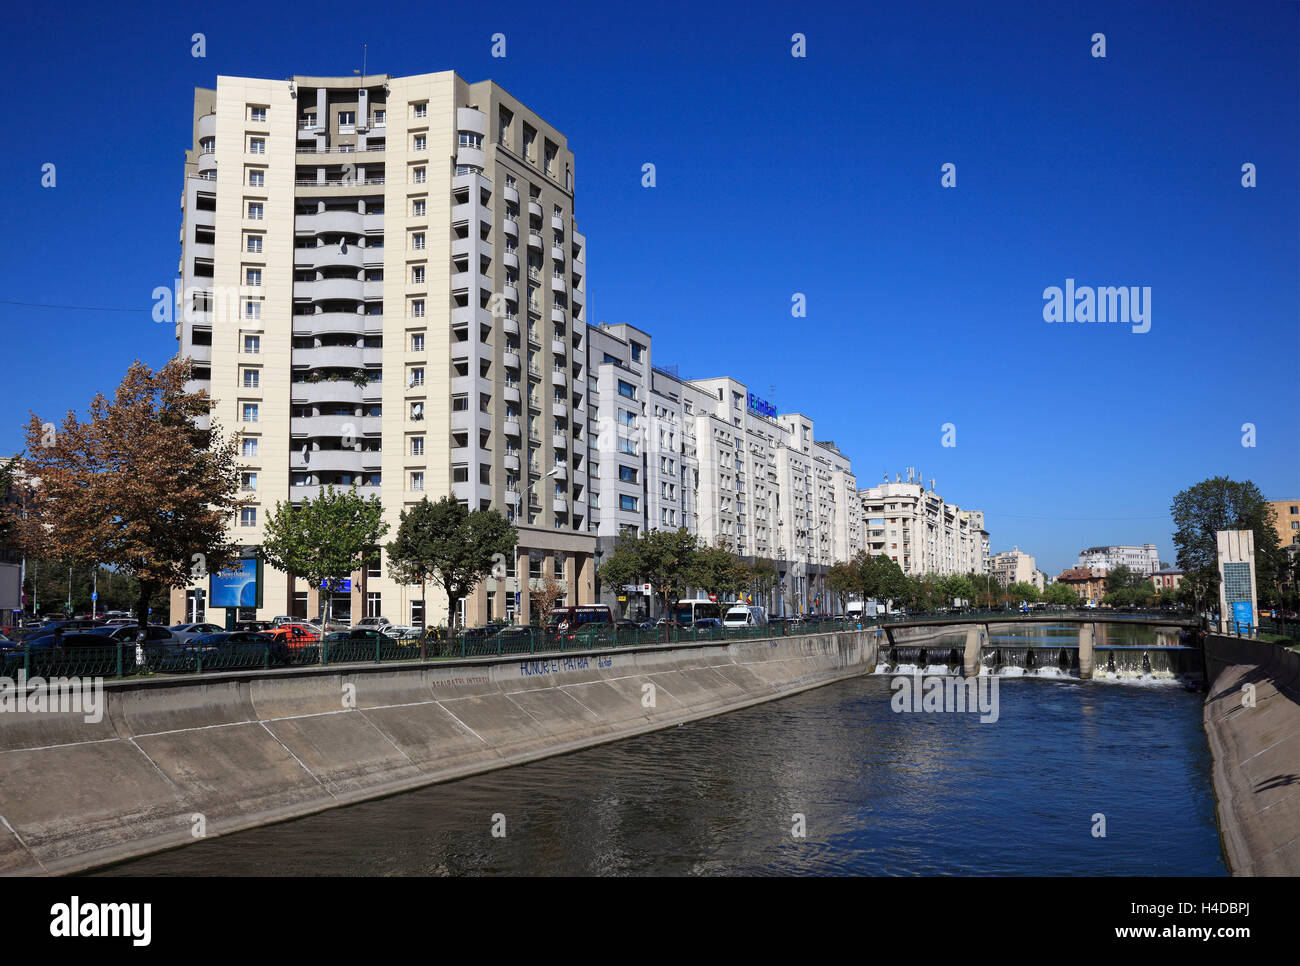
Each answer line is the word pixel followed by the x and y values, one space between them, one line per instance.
pixel 745 615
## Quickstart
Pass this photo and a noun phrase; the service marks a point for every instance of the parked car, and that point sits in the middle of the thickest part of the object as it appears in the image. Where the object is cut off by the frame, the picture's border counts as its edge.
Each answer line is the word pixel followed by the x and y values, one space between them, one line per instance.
pixel 356 644
pixel 250 627
pixel 68 626
pixel 294 635
pixel 126 633
pixel 183 632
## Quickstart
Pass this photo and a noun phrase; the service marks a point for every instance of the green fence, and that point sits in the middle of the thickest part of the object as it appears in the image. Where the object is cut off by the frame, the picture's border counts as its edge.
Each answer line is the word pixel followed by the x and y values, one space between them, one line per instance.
pixel 440 644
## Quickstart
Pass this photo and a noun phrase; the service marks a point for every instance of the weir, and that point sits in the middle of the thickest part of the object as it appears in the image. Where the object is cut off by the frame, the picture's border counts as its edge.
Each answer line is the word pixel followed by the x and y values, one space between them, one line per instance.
pixel 176 759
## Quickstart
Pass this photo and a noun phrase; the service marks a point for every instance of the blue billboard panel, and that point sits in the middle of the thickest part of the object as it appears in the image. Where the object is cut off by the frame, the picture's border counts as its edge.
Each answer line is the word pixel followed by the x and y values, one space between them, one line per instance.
pixel 1243 613
pixel 235 586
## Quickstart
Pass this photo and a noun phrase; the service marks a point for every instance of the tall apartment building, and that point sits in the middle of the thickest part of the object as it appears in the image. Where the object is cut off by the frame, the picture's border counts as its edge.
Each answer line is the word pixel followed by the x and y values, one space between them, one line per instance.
pixel 914 527
pixel 1286 520
pixel 1011 567
pixel 384 287
pixel 1143 560
pixel 708 455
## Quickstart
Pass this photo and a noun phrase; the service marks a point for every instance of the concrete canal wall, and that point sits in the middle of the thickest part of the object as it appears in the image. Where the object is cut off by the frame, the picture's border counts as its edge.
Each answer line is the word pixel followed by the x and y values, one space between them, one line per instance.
pixel 1256 753
pixel 229 751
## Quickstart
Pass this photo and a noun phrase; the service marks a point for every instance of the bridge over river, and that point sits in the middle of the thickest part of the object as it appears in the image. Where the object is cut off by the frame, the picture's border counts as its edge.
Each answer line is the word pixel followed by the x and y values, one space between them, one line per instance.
pixel 893 635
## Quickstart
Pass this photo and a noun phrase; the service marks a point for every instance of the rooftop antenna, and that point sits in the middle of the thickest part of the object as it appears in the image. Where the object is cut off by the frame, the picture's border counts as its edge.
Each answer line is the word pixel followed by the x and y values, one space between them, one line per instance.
pixel 362 71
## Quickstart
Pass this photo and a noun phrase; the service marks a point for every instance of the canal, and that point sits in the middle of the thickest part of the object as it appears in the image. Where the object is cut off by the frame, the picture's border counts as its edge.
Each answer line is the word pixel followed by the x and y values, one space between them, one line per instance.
pixel 879 792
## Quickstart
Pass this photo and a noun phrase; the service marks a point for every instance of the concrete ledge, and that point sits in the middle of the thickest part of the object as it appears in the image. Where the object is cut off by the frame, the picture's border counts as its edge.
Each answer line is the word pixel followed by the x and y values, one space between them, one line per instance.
pixel 1256 753
pixel 248 748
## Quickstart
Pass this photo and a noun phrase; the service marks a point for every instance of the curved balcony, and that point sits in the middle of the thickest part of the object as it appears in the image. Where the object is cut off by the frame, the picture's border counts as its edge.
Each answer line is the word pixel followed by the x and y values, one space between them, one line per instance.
pixel 560 505
pixel 329 256
pixel 341 356
pixel 329 460
pixel 512 496
pixel 312 492
pixel 332 426
pixel 325 289
pixel 510 292
pixel 534 240
pixel 510 260
pixel 511 193
pixel 332 323
pixel 559 410
pixel 511 428
pixel 510 394
pixel 511 461
pixel 337 221
pixel 558 284
pixel 510 360
pixel 557 316
pixel 557 254
pixel 560 441
pixel 207 162
pixel 561 471
pixel 510 227
pixel 208 125
pixel 470 157
pixel 471 120
pixel 534 209
pixel 510 325
pixel 469 315
pixel 558 347
pixel 337 391
pixel 559 377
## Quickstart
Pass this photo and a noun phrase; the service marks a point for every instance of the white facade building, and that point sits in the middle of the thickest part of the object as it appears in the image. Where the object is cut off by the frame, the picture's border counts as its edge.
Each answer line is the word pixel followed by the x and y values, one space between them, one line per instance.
pixel 1143 560
pixel 915 528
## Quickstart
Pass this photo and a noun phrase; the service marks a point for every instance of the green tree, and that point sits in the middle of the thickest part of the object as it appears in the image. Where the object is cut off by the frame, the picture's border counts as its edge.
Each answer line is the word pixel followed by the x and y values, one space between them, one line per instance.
pixel 324 540
pixel 1200 511
pixel 1023 590
pixel 138 487
pixel 716 570
pixel 664 559
pixel 1062 594
pixel 842 579
pixel 445 542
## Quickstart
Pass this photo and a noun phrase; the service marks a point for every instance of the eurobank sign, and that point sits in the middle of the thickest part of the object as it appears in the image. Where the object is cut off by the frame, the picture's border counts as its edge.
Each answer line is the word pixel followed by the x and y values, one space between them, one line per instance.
pixel 761 407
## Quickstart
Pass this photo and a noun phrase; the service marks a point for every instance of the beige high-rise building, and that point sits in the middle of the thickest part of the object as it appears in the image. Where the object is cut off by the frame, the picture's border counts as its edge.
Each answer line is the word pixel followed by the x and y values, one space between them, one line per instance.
pixel 1286 520
pixel 382 287
pixel 1014 567
pixel 914 527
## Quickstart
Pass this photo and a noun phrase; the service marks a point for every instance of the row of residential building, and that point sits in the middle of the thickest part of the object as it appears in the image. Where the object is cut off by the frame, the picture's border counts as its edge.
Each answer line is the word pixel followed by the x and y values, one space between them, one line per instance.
pixel 382 285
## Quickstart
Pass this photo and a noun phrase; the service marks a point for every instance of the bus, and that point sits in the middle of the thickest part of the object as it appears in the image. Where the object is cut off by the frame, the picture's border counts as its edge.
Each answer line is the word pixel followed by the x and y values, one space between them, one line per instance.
pixel 688 612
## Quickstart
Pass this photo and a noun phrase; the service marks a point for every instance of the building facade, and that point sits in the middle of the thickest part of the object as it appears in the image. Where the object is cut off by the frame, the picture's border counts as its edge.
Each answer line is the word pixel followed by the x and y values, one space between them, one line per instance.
pixel 1170 578
pixel 1141 560
pixel 923 534
pixel 383 287
pixel 1088 582
pixel 1286 520
pixel 710 456
pixel 1011 566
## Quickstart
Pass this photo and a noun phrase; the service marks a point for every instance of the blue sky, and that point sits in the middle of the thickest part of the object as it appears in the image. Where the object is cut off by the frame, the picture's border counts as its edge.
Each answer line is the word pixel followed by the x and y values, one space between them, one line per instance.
pixel 777 175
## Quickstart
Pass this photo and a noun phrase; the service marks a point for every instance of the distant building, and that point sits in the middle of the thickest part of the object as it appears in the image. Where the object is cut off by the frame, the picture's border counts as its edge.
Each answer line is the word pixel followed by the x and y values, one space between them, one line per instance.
pixel 1088 582
pixel 914 527
pixel 1011 567
pixel 1171 578
pixel 1141 560
pixel 1286 520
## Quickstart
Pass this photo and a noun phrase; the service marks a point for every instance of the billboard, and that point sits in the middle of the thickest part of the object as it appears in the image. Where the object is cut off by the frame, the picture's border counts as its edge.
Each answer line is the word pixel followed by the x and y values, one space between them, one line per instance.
pixel 239 585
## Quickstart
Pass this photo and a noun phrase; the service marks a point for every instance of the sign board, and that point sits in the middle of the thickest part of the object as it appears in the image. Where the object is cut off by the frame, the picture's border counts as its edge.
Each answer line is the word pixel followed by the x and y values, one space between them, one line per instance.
pixel 761 407
pixel 343 586
pixel 713 597
pixel 1242 613
pixel 622 598
pixel 239 585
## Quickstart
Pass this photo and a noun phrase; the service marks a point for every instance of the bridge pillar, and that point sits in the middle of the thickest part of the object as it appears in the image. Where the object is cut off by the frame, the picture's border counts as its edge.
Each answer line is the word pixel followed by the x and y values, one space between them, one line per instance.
pixel 1087 637
pixel 975 637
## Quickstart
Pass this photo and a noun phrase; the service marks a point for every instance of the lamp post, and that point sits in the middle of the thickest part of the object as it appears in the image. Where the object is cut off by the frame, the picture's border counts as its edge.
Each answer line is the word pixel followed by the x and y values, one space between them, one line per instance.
pixel 523 500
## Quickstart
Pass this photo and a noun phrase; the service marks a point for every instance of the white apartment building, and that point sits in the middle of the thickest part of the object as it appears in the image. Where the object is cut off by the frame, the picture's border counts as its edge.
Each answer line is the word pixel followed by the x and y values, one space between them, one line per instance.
pixel 710 456
pixel 1143 560
pixel 1013 567
pixel 918 530
pixel 383 287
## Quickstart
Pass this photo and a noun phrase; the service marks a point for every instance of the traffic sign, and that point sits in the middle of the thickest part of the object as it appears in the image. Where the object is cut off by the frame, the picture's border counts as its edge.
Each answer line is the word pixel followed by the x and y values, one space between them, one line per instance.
pixel 94 595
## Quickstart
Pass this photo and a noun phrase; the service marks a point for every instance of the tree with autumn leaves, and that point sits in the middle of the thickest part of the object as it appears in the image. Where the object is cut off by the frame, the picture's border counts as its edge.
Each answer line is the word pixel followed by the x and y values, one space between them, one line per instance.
pixel 139 486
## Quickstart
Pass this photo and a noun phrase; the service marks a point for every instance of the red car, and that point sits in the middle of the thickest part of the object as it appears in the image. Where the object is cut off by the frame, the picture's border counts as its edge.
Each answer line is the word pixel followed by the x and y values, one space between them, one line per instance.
pixel 294 635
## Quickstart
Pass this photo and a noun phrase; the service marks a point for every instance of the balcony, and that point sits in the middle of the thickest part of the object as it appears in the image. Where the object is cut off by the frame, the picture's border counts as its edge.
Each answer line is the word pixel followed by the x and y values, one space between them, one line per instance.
pixel 334 391
pixel 510 324
pixel 510 393
pixel 330 460
pixel 510 227
pixel 558 284
pixel 329 323
pixel 331 426
pixel 559 377
pixel 510 259
pixel 560 505
pixel 510 292
pixel 340 356
pixel 512 497
pixel 534 209
pixel 557 222
pixel 535 240
pixel 511 461
pixel 327 289
pixel 511 193
pixel 510 360
pixel 557 254
pixel 559 410
pixel 558 347
pixel 327 256
pixel 560 441
pixel 324 222
pixel 511 427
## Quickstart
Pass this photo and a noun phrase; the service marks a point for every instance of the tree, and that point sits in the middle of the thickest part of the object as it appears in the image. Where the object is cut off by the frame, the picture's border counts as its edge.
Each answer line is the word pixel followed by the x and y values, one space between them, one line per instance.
pixel 1200 511
pixel 621 567
pixel 664 559
pixel 1023 590
pixel 543 600
pixel 138 487
pixel 716 570
pixel 1061 594
pixel 842 579
pixel 324 540
pixel 444 541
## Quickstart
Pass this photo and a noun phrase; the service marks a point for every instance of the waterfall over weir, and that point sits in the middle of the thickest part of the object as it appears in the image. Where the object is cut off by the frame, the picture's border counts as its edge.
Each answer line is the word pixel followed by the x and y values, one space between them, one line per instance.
pixel 1110 662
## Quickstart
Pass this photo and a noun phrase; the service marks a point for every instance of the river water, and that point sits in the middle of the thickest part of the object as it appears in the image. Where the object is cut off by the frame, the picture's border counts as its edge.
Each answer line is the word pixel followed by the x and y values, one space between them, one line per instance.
pixel 880 793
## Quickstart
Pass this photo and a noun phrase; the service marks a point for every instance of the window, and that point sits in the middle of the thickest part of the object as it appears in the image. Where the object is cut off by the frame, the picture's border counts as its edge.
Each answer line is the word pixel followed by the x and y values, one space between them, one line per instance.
pixel 374 605
pixel 627 474
pixel 257 145
pixel 470 140
pixel 379 118
pixel 627 446
pixel 252 309
pixel 417 445
pixel 626 502
pixel 417 376
pixel 417 208
pixel 417 175
pixel 253 276
pixel 420 110
pixel 251 377
pixel 255 212
pixel 257 114
pixel 252 344
pixel 347 118
pixel 249 412
pixel 417 143
pixel 417 312
pixel 417 341
pixel 417 274
pixel 417 482
pixel 256 178
pixel 248 447
pixel 637 349
pixel 417 410
pixel 248 516
pixel 248 481
pixel 255 243
pixel 417 241
pixel 626 389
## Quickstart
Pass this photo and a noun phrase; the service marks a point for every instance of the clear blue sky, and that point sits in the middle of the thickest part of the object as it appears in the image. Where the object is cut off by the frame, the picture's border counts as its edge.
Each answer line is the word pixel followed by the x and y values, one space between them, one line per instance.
pixel 779 175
